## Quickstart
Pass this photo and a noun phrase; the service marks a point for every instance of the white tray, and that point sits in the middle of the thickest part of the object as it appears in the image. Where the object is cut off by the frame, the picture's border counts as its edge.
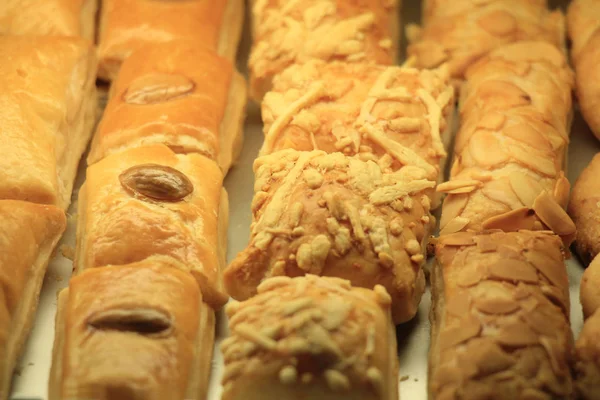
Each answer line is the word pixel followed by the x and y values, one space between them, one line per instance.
pixel 31 379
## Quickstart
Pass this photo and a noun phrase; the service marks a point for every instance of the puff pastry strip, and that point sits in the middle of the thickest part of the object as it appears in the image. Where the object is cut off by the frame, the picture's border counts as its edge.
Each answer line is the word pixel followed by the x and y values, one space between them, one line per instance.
pixel 391 115
pixel 312 338
pixel 127 25
pixel 293 32
pixel 48 17
pixel 334 215
pixel 500 317
pixel 149 201
pixel 47 113
pixel 460 32
pixel 137 331
pixel 584 31
pixel 179 94
pixel 28 237
pixel 510 151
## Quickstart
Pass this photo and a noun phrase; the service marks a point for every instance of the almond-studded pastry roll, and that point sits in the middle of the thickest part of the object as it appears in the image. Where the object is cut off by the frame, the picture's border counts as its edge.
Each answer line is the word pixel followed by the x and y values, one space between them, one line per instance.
pixel 459 34
pixel 127 25
pixel 510 152
pixel 293 32
pixel 333 215
pixel 500 318
pixel 584 209
pixel 179 94
pixel 584 26
pixel 137 331
pixel 48 17
pixel 47 113
pixel 587 348
pixel 29 235
pixel 394 116
pixel 312 338
pixel 150 202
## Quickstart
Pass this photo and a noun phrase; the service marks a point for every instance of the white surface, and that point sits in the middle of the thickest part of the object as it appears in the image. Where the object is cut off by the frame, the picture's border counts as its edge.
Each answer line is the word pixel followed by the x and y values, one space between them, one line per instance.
pixel 413 338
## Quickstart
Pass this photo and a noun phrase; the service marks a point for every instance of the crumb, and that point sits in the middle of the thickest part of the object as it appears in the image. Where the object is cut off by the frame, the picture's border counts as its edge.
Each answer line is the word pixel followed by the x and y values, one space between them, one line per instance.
pixel 18 370
pixel 30 364
pixel 68 252
pixel 416 380
pixel 404 378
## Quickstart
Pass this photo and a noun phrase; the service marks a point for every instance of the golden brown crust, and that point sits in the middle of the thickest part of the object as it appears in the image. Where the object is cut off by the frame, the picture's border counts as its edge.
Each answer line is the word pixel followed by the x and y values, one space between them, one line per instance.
pixel 150 202
pixel 500 317
pixel 333 215
pixel 178 94
pixel 127 25
pixel 28 237
pixel 584 30
pixel 113 342
pixel 461 32
pixel 47 113
pixel 510 151
pixel 391 115
pixel 311 337
pixel 48 17
pixel 293 32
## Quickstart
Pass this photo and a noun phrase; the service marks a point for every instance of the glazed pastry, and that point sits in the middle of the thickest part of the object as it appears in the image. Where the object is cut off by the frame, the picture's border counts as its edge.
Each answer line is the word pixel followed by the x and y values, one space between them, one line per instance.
pixel 29 235
pixel 587 349
pixel 311 338
pixel 137 331
pixel 510 152
pixel 584 24
pixel 584 210
pixel 463 33
pixel 333 215
pixel 500 318
pixel 178 94
pixel 48 17
pixel 394 116
pixel 127 25
pixel 149 201
pixel 293 32
pixel 47 113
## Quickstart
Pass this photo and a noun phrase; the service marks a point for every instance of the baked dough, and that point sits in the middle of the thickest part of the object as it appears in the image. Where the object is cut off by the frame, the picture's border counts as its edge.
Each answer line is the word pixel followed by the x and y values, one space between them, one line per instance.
pixel 500 318
pixel 392 115
pixel 311 338
pixel 137 331
pixel 127 25
pixel 293 32
pixel 48 17
pixel 510 152
pixel 460 32
pixel 178 94
pixel 28 237
pixel 47 113
pixel 584 28
pixel 149 201
pixel 333 215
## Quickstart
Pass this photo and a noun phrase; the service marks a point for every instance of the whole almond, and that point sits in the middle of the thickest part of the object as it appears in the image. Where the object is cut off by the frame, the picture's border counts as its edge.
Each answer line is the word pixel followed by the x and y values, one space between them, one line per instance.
pixel 157 182
pixel 157 88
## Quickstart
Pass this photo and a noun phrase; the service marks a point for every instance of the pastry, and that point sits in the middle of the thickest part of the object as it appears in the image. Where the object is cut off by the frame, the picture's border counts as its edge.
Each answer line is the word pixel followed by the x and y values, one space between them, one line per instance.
pixel 394 116
pixel 127 25
pixel 293 32
pixel 311 338
pixel 333 215
pixel 136 331
pixel 587 349
pixel 584 24
pixel 48 17
pixel 29 235
pixel 500 318
pixel 510 151
pixel 47 113
pixel 149 201
pixel 178 94
pixel 584 210
pixel 463 33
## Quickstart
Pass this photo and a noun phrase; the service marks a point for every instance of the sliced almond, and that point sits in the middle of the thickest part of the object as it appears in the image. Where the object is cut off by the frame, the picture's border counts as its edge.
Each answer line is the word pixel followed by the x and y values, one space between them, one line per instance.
pixel 512 221
pixel 561 191
pixel 489 357
pixel 158 182
pixel 452 185
pixel 157 88
pixel 543 165
pixel 553 215
pixel 517 335
pixel 492 121
pixel 486 243
pixel 458 306
pixel 552 269
pixel 486 149
pixel 469 327
pixel 457 239
pixel 455 225
pixel 498 23
pixel 525 189
pixel 453 207
pixel 470 276
pixel 495 306
pixel 513 271
pixel 555 352
pixel 527 134
pixel 499 190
